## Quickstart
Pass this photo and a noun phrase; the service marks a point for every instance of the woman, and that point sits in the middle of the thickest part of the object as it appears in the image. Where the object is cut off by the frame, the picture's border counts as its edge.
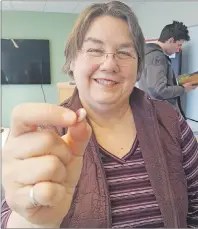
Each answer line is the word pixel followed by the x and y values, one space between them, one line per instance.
pixel 131 163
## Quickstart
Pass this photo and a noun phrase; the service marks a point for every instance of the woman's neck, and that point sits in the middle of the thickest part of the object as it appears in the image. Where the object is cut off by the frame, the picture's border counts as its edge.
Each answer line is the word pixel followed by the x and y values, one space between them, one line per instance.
pixel 107 118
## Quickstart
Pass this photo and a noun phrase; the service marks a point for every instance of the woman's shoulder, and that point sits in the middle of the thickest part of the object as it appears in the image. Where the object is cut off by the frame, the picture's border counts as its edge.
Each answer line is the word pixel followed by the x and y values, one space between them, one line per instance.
pixel 165 109
pixel 168 117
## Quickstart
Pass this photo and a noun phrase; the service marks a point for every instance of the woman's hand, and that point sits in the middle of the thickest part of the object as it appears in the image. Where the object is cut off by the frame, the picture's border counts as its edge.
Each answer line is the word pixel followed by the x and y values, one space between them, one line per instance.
pixel 41 169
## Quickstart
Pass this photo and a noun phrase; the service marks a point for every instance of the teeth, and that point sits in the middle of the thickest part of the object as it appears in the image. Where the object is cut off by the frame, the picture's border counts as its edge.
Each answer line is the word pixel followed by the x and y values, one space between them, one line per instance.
pixel 105 82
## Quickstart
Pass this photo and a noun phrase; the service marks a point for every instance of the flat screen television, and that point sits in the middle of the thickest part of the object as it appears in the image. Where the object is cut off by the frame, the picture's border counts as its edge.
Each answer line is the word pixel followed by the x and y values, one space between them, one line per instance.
pixel 25 61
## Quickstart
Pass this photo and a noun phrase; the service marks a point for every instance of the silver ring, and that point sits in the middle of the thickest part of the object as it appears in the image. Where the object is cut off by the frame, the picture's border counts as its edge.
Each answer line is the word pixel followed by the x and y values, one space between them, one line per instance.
pixel 32 198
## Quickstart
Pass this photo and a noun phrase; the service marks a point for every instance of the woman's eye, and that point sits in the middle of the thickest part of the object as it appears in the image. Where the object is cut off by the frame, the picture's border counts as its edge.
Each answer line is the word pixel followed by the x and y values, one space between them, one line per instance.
pixel 124 54
pixel 95 52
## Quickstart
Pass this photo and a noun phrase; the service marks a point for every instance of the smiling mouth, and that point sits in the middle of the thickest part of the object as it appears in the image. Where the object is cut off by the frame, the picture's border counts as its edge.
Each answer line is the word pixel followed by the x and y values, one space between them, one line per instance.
pixel 106 82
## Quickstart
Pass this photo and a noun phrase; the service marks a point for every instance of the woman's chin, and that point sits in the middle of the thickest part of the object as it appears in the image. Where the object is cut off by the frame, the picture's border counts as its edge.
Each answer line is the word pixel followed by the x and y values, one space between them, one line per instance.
pixel 105 99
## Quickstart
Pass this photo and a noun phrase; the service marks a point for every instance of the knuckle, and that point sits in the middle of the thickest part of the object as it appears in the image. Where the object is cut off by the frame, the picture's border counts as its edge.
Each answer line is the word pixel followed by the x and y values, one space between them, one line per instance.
pixel 16 112
pixel 4 156
pixel 48 196
pixel 6 152
pixel 8 170
pixel 7 174
pixel 10 201
pixel 53 165
pixel 48 138
pixel 50 109
pixel 48 193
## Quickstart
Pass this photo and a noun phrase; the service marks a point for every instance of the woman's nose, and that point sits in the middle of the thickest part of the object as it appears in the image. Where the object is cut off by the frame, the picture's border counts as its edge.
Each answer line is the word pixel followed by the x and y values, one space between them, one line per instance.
pixel 109 63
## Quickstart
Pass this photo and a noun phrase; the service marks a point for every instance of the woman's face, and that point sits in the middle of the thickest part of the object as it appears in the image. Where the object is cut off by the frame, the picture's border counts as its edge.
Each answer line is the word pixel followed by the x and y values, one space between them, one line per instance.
pixel 106 79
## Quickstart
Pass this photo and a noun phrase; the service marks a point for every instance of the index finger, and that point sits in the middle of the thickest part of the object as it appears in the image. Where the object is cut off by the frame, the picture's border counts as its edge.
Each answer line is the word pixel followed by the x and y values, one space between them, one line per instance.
pixel 26 117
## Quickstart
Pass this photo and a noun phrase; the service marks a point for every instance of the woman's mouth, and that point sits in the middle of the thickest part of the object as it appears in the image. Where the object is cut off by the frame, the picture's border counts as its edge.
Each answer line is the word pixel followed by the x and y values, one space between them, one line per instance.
pixel 106 82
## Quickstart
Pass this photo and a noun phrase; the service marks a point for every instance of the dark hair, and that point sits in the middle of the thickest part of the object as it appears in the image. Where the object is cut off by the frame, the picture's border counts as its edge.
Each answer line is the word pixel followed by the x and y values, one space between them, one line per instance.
pixel 177 30
pixel 115 9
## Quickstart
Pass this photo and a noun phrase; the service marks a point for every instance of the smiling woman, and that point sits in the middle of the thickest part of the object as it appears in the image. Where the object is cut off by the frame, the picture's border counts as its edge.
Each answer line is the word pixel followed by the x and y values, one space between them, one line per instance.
pixel 131 163
pixel 105 69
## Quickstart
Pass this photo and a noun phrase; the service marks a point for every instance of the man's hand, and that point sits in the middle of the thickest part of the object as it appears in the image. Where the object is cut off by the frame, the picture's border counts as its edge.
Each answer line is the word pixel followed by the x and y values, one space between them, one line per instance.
pixel 190 86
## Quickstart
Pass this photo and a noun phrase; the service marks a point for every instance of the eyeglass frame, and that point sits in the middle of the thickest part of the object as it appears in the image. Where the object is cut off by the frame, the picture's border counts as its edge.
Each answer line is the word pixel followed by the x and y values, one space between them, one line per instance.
pixel 105 54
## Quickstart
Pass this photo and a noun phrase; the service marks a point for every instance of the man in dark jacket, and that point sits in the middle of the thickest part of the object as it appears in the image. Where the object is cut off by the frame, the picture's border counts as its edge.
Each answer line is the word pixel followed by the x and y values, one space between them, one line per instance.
pixel 158 78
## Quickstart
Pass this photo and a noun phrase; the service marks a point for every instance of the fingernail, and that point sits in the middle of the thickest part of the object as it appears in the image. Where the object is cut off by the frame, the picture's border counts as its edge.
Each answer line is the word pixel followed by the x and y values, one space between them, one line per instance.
pixel 81 114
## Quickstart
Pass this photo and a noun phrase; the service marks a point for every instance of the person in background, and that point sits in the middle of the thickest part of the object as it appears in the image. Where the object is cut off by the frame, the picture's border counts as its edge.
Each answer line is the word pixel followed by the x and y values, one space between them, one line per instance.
pixel 158 78
pixel 110 156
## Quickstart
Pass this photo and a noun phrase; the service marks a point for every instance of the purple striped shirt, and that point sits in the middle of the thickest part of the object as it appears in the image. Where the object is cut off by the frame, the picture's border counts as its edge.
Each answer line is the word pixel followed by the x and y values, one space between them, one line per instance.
pixel 133 202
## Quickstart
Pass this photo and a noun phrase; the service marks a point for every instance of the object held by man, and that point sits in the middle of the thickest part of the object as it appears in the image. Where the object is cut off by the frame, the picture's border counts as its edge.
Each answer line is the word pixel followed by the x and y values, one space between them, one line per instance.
pixel 193 77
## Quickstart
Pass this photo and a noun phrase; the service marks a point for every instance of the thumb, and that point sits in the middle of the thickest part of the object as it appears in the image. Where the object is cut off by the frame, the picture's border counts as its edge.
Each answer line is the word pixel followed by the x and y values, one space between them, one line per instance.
pixel 78 135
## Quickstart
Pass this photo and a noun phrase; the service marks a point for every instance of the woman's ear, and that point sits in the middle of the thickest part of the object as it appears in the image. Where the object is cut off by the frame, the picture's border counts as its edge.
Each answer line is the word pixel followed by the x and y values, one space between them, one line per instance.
pixel 71 70
pixel 72 66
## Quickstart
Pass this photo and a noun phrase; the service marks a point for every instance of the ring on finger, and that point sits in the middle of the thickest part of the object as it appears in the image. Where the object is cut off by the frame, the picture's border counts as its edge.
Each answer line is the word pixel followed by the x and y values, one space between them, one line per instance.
pixel 32 198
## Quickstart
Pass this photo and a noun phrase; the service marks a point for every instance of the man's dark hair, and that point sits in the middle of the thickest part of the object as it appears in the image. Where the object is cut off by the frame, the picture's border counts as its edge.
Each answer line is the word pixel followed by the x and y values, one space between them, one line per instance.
pixel 177 30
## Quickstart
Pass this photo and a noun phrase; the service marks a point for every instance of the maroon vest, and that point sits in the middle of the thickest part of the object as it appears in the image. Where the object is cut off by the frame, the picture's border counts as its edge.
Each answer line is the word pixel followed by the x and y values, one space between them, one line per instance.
pixel 159 137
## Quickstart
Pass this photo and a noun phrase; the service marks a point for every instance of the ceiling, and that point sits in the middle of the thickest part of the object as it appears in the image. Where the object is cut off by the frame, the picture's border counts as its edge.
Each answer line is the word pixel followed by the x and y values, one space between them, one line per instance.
pixel 61 6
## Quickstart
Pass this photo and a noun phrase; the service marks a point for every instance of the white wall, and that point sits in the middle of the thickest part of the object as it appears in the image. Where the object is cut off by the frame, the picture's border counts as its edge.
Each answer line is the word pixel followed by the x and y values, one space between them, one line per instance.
pixel 189 65
pixel 153 16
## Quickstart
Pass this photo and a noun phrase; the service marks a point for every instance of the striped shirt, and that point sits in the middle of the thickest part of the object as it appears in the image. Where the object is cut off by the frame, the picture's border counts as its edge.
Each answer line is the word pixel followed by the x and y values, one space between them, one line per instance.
pixel 133 203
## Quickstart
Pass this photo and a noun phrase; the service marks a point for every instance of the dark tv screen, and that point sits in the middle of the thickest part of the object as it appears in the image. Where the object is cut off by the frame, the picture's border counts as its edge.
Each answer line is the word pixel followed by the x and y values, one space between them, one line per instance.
pixel 25 61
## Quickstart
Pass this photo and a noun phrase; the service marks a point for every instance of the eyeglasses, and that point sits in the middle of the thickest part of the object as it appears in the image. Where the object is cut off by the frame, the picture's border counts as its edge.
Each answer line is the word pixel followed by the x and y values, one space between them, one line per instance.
pixel 99 55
